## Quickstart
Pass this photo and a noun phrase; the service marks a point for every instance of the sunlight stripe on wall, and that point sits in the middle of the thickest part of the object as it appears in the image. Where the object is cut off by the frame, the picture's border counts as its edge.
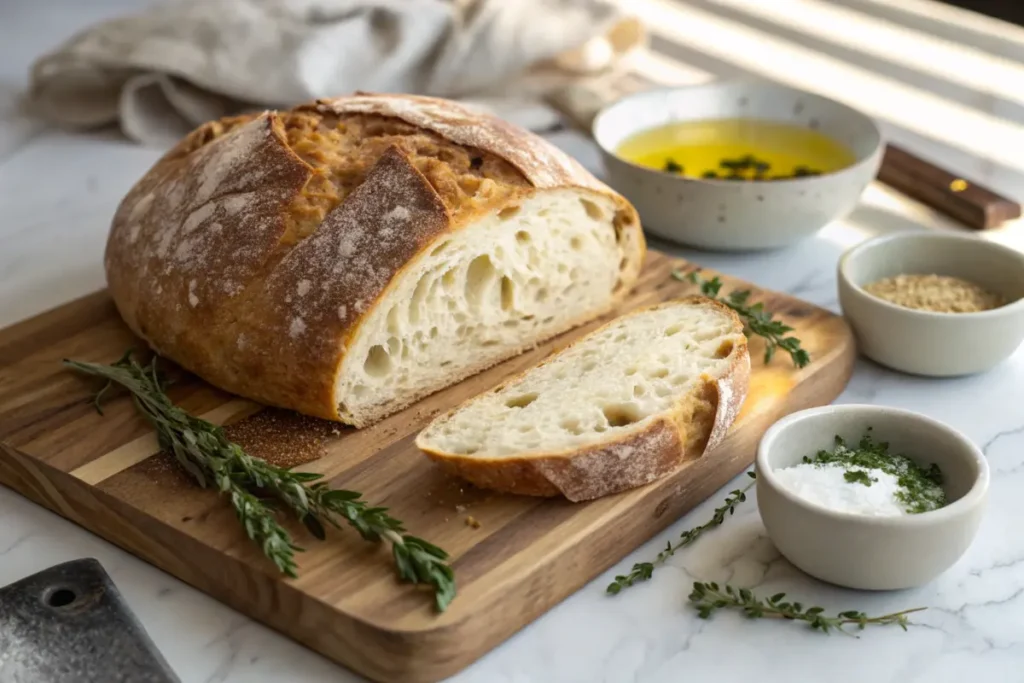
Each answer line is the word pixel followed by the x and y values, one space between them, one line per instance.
pixel 917 110
pixel 955 63
pixel 664 70
pixel 958 17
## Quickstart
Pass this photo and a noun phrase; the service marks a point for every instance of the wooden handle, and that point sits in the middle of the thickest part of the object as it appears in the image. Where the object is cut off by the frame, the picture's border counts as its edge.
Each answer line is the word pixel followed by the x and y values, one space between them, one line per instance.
pixel 964 200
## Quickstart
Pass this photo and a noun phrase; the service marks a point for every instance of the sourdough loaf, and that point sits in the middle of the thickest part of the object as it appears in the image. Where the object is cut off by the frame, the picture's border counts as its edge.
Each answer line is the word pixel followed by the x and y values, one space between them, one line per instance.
pixel 619 408
pixel 348 257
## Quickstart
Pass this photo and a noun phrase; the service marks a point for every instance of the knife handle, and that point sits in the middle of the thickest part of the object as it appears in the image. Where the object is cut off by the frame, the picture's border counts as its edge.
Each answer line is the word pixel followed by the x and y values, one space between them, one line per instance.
pixel 972 204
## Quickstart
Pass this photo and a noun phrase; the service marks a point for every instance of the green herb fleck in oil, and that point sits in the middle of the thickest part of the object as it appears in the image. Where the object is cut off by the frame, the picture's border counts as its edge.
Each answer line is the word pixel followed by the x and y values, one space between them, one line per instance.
pixel 672 167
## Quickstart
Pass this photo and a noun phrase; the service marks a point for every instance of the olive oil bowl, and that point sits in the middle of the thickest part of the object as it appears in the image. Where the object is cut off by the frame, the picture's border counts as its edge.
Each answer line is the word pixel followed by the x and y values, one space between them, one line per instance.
pixel 737 166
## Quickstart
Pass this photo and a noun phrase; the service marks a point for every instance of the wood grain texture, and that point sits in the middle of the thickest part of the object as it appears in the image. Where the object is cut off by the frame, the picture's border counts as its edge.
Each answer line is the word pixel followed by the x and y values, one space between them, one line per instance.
pixel 970 203
pixel 527 555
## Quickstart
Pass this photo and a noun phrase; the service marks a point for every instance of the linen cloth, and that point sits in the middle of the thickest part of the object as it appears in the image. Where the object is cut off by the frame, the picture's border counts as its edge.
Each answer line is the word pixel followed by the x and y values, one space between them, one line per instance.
pixel 175 65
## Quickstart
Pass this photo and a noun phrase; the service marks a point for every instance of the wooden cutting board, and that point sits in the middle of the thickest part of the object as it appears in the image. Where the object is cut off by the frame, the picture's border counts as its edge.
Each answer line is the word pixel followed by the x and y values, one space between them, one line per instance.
pixel 103 473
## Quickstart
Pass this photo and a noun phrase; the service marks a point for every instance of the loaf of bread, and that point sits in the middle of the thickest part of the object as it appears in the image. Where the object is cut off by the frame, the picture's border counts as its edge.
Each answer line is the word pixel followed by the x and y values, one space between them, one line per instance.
pixel 348 257
pixel 619 408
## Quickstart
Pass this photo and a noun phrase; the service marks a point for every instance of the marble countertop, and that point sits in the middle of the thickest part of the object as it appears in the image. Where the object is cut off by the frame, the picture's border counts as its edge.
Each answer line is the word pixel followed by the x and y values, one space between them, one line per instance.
pixel 942 99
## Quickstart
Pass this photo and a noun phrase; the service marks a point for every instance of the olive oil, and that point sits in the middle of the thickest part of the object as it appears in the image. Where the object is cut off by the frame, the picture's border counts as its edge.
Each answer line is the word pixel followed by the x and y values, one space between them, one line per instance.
pixel 736 149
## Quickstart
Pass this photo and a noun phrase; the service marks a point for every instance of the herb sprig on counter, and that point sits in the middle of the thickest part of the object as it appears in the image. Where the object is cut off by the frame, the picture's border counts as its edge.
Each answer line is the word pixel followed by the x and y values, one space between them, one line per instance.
pixel 204 451
pixel 756 319
pixel 709 597
pixel 642 571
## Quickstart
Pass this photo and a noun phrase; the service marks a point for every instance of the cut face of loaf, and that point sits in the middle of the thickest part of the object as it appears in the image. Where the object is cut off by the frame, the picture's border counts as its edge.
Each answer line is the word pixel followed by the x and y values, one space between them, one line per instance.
pixel 619 408
pixel 350 256
pixel 483 294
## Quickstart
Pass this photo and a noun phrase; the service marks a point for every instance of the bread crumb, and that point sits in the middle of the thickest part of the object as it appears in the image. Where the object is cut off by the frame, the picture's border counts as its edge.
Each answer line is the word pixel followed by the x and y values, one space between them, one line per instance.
pixel 472 521
pixel 297 327
pixel 303 287
pixel 460 508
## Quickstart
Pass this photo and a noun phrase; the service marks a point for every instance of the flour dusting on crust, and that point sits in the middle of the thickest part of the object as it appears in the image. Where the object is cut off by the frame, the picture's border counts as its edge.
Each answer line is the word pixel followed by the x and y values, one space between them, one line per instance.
pixel 223 226
pixel 357 249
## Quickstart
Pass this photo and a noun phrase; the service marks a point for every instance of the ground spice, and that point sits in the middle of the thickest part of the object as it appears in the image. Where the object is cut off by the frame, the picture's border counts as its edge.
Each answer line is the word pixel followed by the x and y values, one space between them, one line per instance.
pixel 283 438
pixel 936 293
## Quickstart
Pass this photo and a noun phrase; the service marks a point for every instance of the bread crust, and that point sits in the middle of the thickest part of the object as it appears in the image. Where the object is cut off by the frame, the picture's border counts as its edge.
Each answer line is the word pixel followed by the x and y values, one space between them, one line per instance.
pixel 204 261
pixel 695 425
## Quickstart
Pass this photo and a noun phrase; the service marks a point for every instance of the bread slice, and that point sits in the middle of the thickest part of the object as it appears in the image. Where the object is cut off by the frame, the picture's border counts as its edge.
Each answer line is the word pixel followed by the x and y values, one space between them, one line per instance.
pixel 347 257
pixel 618 408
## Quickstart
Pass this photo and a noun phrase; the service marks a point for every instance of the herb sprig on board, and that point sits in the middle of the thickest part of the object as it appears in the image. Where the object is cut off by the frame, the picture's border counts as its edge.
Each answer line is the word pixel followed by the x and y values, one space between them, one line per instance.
pixel 642 571
pixel 709 597
pixel 756 319
pixel 203 450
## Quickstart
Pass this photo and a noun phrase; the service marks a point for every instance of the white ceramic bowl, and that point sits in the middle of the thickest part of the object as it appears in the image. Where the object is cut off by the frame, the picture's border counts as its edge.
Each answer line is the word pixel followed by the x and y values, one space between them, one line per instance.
pixel 857 551
pixel 735 215
pixel 923 342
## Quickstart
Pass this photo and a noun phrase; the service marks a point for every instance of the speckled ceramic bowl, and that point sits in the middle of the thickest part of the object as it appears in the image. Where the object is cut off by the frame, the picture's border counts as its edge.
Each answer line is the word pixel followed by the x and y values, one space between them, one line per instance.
pixel 858 551
pixel 731 215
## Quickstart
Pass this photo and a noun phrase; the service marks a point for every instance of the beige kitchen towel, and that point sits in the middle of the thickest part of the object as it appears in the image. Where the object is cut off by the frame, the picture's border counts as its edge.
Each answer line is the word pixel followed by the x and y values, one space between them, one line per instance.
pixel 162 72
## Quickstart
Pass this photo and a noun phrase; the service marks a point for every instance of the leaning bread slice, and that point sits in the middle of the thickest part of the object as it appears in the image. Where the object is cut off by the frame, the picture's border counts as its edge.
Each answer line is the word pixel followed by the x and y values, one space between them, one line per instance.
pixel 619 408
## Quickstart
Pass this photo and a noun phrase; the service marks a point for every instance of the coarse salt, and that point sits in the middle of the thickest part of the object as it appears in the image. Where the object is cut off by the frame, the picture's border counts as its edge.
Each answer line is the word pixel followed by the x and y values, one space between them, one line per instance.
pixel 826 485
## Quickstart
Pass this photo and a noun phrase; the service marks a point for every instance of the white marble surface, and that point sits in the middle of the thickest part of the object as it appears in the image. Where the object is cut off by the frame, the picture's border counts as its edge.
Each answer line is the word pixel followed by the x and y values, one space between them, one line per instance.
pixel 58 191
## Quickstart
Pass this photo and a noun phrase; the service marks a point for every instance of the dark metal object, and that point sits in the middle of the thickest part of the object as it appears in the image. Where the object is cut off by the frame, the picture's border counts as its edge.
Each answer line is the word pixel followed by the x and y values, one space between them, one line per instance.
pixel 69 624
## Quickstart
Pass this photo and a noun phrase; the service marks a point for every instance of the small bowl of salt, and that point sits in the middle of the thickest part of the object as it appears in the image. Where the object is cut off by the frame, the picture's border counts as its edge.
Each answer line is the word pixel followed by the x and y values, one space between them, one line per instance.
pixel 870 497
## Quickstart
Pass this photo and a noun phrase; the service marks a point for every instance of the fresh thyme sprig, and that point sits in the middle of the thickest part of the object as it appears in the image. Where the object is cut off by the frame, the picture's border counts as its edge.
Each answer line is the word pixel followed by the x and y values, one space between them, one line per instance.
pixel 708 597
pixel 642 571
pixel 204 451
pixel 756 319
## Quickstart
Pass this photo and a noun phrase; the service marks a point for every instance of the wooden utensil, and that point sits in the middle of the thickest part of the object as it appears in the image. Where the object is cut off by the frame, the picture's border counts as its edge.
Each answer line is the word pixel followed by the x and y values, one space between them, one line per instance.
pixel 964 200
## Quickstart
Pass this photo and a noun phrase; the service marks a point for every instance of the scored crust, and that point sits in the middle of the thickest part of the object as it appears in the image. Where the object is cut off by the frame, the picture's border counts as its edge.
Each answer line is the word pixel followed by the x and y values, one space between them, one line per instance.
pixel 637 456
pixel 253 250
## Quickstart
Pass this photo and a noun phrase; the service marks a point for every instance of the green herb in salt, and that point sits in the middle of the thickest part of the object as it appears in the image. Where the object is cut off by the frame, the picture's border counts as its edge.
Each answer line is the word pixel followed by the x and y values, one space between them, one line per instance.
pixel 920 488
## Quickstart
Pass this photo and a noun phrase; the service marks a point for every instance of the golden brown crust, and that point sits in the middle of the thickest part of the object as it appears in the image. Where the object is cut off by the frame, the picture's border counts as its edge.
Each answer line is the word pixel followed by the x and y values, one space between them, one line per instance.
pixel 695 426
pixel 254 248
pixel 296 311
pixel 529 153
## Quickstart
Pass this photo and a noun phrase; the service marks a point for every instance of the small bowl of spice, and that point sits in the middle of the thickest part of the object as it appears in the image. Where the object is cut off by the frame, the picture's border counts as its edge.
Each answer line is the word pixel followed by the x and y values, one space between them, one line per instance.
pixel 934 304
pixel 870 497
